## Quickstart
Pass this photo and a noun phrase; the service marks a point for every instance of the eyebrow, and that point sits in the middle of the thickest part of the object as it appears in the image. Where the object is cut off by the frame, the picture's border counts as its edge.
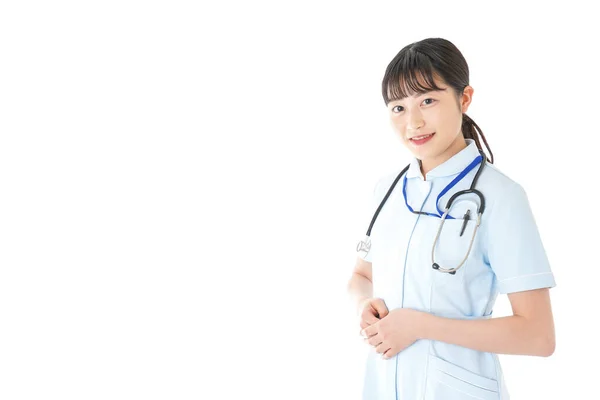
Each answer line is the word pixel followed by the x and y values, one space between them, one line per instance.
pixel 422 93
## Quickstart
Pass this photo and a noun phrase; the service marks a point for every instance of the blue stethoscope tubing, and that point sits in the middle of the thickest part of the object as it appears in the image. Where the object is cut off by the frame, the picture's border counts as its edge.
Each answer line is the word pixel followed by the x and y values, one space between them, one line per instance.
pixel 481 159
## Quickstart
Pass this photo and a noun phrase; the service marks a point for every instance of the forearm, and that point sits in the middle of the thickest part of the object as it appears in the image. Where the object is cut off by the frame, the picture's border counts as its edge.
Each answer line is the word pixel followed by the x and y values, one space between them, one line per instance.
pixel 359 288
pixel 505 335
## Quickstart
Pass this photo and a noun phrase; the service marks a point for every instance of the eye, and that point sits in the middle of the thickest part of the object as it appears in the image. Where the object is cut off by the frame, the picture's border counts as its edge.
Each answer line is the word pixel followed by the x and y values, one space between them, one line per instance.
pixel 432 100
pixel 394 108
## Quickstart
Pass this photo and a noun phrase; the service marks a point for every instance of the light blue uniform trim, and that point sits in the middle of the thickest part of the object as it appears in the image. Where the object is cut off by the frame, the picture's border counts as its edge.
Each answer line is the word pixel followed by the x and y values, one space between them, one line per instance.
pixel 507 256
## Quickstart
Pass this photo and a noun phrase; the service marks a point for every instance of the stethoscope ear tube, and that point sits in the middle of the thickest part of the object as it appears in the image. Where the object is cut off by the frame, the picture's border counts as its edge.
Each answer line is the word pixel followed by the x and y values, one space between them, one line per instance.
pixel 452 271
pixel 365 245
pixel 389 192
pixel 481 206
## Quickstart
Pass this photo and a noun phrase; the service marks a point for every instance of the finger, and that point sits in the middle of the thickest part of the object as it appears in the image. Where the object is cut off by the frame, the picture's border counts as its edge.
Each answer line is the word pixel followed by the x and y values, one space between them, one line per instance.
pixel 367 321
pixel 363 325
pixel 375 340
pixel 380 307
pixel 369 331
pixel 389 353
pixel 382 348
pixel 369 317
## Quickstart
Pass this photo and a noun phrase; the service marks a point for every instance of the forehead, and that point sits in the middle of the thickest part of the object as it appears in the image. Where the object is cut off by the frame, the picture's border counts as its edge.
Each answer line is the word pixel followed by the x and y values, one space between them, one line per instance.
pixel 415 84
pixel 421 93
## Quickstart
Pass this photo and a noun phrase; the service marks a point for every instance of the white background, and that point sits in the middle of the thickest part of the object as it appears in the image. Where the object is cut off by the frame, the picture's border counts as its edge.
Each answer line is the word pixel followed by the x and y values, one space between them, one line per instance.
pixel 182 187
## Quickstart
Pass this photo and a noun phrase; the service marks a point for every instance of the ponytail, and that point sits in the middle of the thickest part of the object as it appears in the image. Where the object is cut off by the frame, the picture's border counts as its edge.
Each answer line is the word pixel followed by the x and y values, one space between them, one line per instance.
pixel 471 130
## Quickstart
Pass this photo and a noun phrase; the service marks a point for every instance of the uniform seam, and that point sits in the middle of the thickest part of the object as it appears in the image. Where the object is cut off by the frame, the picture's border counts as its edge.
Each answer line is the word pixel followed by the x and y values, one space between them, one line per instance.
pixel 523 276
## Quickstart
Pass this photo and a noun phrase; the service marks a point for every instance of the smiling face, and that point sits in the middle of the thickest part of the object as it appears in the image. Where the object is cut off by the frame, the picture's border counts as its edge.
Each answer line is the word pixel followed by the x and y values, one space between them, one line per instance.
pixel 437 113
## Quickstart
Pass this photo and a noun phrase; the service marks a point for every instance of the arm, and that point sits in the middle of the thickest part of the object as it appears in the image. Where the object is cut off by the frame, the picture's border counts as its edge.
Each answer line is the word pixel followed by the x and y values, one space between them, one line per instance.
pixel 529 331
pixel 360 285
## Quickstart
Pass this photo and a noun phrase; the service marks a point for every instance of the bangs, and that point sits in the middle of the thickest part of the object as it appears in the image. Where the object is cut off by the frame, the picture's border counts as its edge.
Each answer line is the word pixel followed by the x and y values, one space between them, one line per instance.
pixel 410 73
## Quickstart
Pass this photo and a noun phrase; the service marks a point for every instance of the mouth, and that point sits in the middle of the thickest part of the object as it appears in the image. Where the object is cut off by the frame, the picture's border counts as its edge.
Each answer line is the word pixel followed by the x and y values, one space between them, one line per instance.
pixel 418 140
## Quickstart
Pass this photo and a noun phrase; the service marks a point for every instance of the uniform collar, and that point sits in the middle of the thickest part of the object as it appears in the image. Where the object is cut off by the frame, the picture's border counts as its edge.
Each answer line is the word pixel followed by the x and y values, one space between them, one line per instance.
pixel 452 166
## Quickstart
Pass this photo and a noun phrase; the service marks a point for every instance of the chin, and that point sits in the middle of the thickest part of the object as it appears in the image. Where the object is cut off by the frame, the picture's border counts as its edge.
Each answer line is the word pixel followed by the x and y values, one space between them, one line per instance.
pixel 423 154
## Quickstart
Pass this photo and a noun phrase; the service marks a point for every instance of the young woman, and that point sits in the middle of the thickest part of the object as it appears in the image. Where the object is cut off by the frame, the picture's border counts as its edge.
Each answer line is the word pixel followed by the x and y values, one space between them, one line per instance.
pixel 450 232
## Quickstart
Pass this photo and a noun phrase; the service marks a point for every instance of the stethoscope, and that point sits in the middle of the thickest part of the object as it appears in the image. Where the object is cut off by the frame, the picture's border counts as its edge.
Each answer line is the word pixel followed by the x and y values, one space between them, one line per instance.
pixel 365 245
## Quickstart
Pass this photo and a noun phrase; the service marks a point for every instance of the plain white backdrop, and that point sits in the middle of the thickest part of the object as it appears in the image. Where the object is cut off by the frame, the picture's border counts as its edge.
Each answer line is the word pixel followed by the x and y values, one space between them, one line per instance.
pixel 183 184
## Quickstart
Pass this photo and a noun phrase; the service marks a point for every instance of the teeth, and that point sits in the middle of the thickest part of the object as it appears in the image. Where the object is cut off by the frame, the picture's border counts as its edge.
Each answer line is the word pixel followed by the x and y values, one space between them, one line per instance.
pixel 421 137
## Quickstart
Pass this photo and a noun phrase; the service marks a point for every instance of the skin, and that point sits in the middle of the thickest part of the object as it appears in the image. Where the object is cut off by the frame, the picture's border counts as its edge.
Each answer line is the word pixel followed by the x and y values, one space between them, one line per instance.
pixel 529 331
pixel 436 111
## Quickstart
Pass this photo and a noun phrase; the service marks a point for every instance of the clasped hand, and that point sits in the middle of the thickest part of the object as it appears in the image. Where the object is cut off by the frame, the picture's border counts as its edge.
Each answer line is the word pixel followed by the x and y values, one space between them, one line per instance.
pixel 389 332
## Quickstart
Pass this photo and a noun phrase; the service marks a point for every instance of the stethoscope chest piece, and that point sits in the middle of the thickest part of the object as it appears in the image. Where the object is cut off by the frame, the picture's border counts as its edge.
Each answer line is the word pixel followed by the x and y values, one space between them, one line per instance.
pixel 436 266
pixel 364 245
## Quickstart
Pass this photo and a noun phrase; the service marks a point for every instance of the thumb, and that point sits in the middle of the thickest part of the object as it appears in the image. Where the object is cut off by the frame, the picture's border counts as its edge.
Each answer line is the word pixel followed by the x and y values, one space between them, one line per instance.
pixel 380 307
pixel 370 317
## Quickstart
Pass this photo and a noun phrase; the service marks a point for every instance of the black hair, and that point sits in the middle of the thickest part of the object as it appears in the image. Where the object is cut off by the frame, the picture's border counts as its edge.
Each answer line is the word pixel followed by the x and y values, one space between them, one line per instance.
pixel 425 59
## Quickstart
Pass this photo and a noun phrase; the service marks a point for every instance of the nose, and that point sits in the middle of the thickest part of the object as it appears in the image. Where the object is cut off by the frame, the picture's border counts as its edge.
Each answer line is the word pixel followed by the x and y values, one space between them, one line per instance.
pixel 415 121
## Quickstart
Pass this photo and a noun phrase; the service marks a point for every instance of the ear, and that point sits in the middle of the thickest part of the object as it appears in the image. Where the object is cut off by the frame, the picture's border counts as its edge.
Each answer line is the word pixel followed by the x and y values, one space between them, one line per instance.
pixel 465 98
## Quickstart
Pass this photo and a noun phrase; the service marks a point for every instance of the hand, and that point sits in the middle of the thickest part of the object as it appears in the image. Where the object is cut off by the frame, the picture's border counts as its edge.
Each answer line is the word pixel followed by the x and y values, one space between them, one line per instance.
pixel 401 328
pixel 371 310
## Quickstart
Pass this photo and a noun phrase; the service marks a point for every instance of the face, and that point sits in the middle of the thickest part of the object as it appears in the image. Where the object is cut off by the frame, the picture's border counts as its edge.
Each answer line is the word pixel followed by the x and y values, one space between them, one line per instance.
pixel 436 112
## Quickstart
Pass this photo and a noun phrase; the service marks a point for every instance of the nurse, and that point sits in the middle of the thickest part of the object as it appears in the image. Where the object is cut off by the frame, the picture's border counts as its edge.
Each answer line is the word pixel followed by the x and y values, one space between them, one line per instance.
pixel 430 333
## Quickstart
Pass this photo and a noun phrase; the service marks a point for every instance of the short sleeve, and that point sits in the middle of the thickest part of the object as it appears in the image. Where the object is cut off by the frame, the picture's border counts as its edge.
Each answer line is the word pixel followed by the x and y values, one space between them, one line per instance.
pixel 514 247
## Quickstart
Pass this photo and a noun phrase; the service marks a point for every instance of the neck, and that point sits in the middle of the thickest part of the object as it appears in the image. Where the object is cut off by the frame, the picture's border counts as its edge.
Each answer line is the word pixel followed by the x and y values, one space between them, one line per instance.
pixel 430 163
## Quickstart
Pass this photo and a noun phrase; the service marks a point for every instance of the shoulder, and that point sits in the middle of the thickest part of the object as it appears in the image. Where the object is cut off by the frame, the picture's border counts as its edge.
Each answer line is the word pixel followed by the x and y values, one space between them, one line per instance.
pixel 499 185
pixel 503 195
pixel 385 181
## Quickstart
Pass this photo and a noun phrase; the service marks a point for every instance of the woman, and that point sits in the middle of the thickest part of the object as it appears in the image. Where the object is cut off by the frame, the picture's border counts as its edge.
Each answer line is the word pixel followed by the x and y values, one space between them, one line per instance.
pixel 425 299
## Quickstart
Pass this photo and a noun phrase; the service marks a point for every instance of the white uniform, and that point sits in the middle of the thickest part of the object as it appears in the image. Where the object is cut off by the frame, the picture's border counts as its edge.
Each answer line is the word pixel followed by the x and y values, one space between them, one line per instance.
pixel 507 256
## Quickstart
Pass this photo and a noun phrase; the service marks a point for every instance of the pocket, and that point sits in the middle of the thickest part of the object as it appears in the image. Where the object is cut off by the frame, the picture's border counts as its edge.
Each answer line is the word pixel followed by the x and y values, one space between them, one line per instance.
pixel 447 381
pixel 451 249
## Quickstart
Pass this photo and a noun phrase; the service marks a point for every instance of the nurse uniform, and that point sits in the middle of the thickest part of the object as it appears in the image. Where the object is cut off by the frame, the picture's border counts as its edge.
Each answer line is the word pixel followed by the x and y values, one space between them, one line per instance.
pixel 507 256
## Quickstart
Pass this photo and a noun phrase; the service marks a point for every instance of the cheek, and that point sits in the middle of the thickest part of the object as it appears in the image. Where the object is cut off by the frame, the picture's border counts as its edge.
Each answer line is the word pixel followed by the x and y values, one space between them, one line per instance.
pixel 451 121
pixel 398 124
pixel 435 121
